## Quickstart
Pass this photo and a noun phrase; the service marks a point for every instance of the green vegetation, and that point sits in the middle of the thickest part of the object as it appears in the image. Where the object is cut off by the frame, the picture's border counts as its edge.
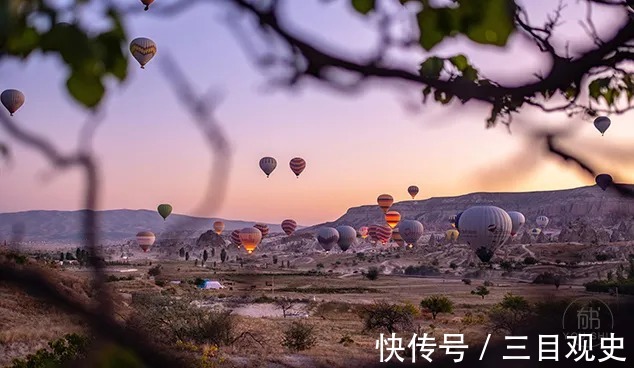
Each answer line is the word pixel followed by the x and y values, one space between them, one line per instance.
pixel 372 274
pixel 481 291
pixel 511 314
pixel 437 304
pixel 299 336
pixel 389 317
pixel 59 353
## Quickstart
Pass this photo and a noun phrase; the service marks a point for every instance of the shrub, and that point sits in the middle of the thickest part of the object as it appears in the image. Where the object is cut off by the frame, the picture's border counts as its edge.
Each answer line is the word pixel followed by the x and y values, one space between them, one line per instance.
pixel 391 317
pixel 372 274
pixel 59 353
pixel 481 291
pixel 299 336
pixel 511 314
pixel 453 266
pixel 155 271
pixel 466 281
pixel 602 257
pixel 547 278
pixel 530 260
pixel 437 304
pixel 487 283
pixel 346 340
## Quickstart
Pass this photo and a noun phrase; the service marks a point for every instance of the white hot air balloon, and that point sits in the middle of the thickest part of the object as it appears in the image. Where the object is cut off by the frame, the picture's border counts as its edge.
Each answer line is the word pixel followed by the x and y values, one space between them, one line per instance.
pixel 542 221
pixel 484 229
pixel 143 50
pixel 12 99
pixel 411 231
pixel 347 236
pixel 327 237
pixel 518 220
pixel 602 123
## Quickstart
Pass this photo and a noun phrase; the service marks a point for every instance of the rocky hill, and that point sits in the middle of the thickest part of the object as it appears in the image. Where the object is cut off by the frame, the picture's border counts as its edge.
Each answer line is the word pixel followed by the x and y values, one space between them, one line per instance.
pixel 602 209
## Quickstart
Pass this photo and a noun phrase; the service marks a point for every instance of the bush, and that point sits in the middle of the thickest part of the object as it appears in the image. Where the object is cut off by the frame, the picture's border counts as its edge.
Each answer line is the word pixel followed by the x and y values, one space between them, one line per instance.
pixel 299 336
pixel 530 261
pixel 346 340
pixel 453 266
pixel 372 274
pixel 511 314
pixel 481 291
pixel 602 257
pixel 59 354
pixel 548 278
pixel 487 283
pixel 466 281
pixel 391 317
pixel 437 304
pixel 155 271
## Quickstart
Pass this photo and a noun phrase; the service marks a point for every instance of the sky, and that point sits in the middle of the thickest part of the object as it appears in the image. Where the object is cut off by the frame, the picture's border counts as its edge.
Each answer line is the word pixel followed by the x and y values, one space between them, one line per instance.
pixel 358 146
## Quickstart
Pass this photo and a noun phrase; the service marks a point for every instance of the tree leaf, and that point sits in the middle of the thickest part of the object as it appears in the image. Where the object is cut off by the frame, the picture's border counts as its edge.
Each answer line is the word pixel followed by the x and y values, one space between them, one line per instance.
pixel 23 43
pixel 489 22
pixel 431 67
pixel 426 93
pixel 459 61
pixel 86 88
pixel 363 6
pixel 435 24
pixel 597 87
pixel 442 97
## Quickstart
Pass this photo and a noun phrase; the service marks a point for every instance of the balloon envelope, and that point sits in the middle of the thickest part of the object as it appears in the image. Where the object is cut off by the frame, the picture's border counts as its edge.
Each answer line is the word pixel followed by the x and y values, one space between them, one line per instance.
pixel 542 221
pixel 603 181
pixel 12 100
pixel 411 231
pixel 385 202
pixel 327 237
pixel 145 239
pixel 289 226
pixel 602 123
pixel 517 220
pixel 268 164
pixel 484 229
pixel 164 210
pixel 347 236
pixel 235 238
pixel 392 218
pixel 363 232
pixel 396 236
pixel 452 235
pixel 458 220
pixel 250 237
pixel 383 233
pixel 412 190
pixel 143 50
pixel 264 229
pixel 147 3
pixel 218 227
pixel 297 165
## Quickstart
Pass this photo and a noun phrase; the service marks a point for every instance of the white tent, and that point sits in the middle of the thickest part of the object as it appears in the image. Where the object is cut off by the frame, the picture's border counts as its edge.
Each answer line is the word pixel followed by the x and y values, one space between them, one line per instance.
pixel 212 285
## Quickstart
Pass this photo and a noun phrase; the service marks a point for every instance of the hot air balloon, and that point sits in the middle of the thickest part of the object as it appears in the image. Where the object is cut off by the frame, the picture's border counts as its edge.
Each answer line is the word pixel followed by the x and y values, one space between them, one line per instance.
pixel 347 236
pixel 327 237
pixel 145 239
pixel 250 237
pixel 451 235
pixel 147 4
pixel 264 229
pixel 235 238
pixel 602 123
pixel 218 227
pixel 411 231
pixel 164 210
pixel 385 202
pixel 517 220
pixel 383 233
pixel 535 231
pixel 143 50
pixel 372 233
pixel 392 218
pixel 363 232
pixel 297 165
pixel 484 229
pixel 542 221
pixel 289 226
pixel 268 164
pixel 457 220
pixel 12 99
pixel 412 190
pixel 603 181
pixel 396 236
pixel 452 220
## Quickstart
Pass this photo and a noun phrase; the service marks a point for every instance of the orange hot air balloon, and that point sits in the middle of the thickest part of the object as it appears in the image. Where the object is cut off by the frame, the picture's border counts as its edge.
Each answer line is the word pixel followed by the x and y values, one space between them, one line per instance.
pixel 218 227
pixel 145 239
pixel 392 218
pixel 250 237
pixel 396 236
pixel 383 233
pixel 363 232
pixel 385 202
pixel 264 229
pixel 297 165
pixel 289 226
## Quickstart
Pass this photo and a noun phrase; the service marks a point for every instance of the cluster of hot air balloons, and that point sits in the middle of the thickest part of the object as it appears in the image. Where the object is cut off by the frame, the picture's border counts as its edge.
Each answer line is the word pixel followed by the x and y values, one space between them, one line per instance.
pixel 268 164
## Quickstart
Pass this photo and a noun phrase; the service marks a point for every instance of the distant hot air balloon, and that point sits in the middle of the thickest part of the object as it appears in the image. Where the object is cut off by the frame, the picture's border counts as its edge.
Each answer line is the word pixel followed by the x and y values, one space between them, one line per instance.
pixel 297 165
pixel 484 229
pixel 603 181
pixel 250 237
pixel 536 231
pixel 542 221
pixel 268 164
pixel 411 231
pixel 235 238
pixel 147 4
pixel 396 236
pixel 517 220
pixel 12 99
pixel 264 229
pixel 372 233
pixel 218 227
pixel 143 50
pixel 145 239
pixel 363 232
pixel 392 218
pixel 602 123
pixel 452 235
pixel 327 237
pixel 164 210
pixel 458 220
pixel 412 190
pixel 347 236
pixel 383 233
pixel 385 202
pixel 289 226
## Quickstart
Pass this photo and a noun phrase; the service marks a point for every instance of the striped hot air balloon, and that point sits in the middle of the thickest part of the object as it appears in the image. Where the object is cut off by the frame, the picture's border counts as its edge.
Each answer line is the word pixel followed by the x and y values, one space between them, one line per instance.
pixel 363 232
pixel 235 238
pixel 145 239
pixel 164 210
pixel 297 165
pixel 264 229
pixel 268 164
pixel 289 226
pixel 143 50
pixel 412 190
pixel 383 233
pixel 411 231
pixel 372 233
pixel 12 100
pixel 218 227
pixel 327 237
pixel 396 236
pixel 250 237
pixel 392 218
pixel 385 202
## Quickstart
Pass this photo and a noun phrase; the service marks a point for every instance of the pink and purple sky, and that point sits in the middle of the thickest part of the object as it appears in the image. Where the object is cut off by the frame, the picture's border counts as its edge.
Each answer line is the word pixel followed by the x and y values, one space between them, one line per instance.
pixel 356 147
